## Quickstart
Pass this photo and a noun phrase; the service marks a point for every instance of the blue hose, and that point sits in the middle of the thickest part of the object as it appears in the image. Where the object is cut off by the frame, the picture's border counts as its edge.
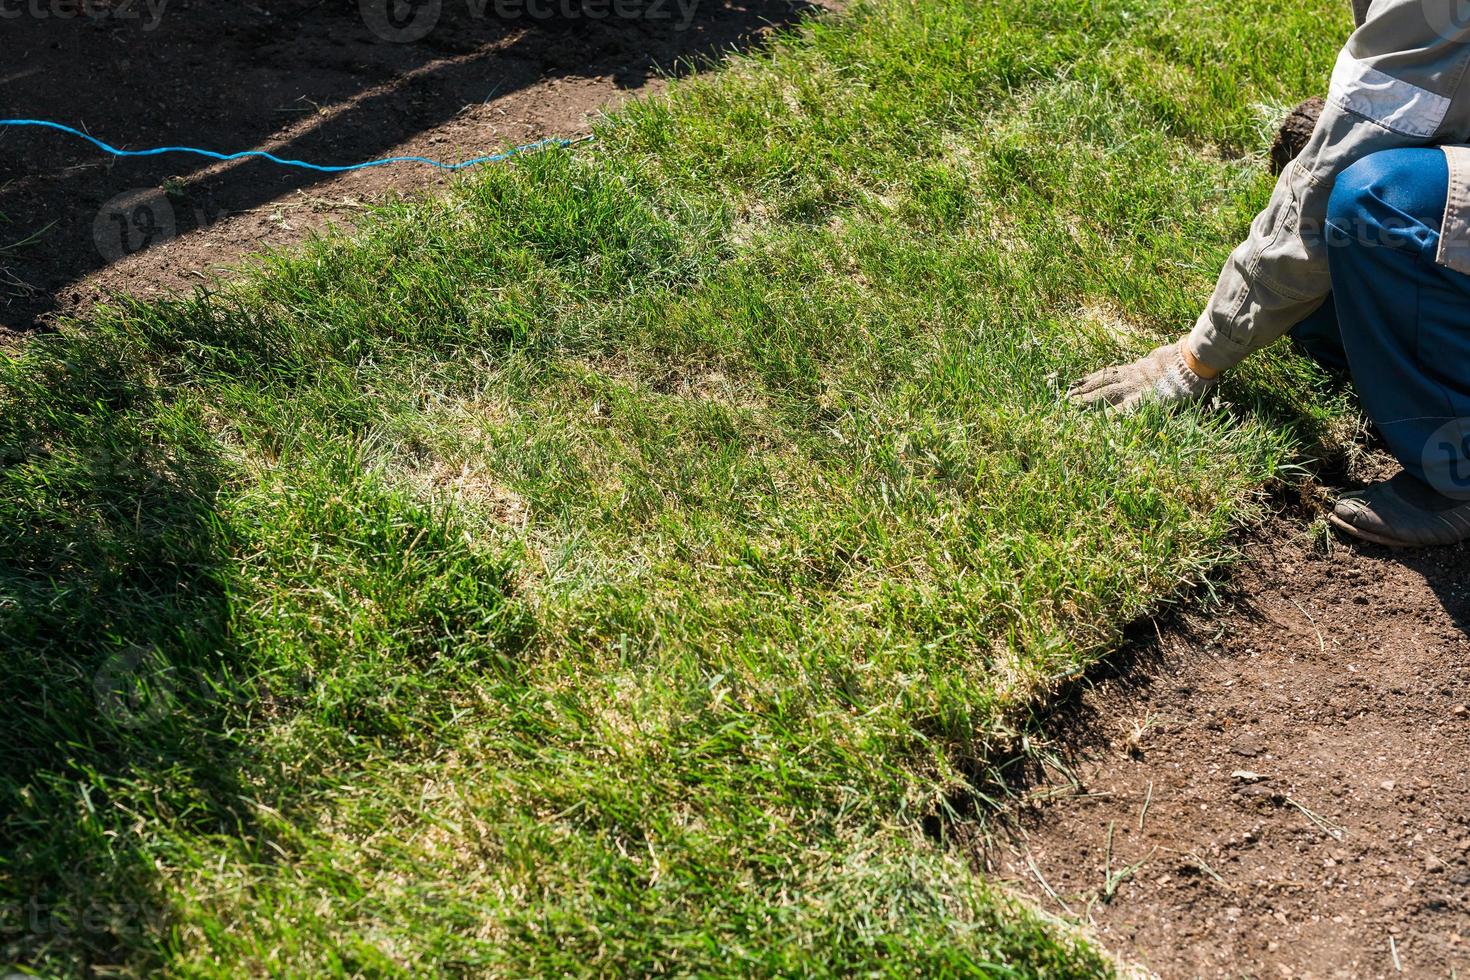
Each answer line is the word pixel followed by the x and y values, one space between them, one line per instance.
pixel 261 154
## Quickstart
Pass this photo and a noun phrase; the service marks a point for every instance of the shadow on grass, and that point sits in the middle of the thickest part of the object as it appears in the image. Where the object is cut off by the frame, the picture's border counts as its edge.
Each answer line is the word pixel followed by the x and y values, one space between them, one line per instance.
pixel 161 609
pixel 113 613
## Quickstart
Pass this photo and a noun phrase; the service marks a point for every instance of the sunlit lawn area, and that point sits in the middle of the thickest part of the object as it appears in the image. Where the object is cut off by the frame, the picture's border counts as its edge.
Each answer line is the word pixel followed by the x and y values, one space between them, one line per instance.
pixel 608 567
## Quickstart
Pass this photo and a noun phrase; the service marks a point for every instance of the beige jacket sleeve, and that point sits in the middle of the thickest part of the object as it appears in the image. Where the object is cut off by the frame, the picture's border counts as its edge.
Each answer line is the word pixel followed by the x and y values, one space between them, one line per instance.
pixel 1398 82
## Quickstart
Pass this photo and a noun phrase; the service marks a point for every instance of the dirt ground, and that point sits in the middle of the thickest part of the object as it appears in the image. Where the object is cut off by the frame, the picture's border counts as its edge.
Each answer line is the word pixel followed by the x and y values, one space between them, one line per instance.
pixel 1275 789
pixel 327 81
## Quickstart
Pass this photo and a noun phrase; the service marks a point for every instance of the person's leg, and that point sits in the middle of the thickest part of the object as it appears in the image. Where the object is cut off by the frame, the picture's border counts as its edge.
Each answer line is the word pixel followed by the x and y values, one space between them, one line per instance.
pixel 1405 327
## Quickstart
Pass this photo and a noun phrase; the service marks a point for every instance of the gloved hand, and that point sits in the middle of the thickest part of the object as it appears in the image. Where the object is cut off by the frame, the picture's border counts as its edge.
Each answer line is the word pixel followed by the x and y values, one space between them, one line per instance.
pixel 1163 376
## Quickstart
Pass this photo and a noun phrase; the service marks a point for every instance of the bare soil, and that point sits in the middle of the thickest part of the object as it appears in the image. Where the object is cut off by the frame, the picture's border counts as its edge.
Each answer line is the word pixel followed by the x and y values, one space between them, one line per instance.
pixel 1295 133
pixel 1276 789
pixel 306 79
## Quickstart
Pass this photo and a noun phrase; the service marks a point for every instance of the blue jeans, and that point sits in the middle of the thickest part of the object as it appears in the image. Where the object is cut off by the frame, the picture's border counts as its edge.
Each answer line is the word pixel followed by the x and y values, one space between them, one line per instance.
pixel 1397 321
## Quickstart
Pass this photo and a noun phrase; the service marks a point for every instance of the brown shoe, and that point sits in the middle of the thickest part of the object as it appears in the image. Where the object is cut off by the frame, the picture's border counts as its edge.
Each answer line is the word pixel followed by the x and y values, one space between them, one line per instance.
pixel 1404 512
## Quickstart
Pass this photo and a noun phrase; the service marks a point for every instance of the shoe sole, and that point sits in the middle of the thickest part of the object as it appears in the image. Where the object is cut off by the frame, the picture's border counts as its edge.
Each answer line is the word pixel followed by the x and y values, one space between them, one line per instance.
pixel 1369 536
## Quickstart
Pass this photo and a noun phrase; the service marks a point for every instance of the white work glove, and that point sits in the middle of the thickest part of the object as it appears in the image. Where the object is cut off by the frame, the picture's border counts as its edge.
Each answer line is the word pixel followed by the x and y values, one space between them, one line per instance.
pixel 1162 376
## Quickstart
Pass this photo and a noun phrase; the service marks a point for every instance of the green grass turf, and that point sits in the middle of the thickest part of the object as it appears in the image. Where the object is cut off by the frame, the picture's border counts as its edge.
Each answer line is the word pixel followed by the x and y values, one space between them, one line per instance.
pixel 616 565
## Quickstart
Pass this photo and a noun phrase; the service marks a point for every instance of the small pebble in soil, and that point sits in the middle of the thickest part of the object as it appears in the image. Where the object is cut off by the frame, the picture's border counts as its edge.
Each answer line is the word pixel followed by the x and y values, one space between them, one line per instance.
pixel 1248 745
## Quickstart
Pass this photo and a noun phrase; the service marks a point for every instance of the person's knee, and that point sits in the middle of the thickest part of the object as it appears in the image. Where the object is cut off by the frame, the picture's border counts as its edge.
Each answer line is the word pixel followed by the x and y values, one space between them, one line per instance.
pixel 1394 198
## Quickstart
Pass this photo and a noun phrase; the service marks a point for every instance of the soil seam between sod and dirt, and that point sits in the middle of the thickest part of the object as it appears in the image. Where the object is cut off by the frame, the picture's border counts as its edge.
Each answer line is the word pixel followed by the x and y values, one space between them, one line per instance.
pixel 1271 787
